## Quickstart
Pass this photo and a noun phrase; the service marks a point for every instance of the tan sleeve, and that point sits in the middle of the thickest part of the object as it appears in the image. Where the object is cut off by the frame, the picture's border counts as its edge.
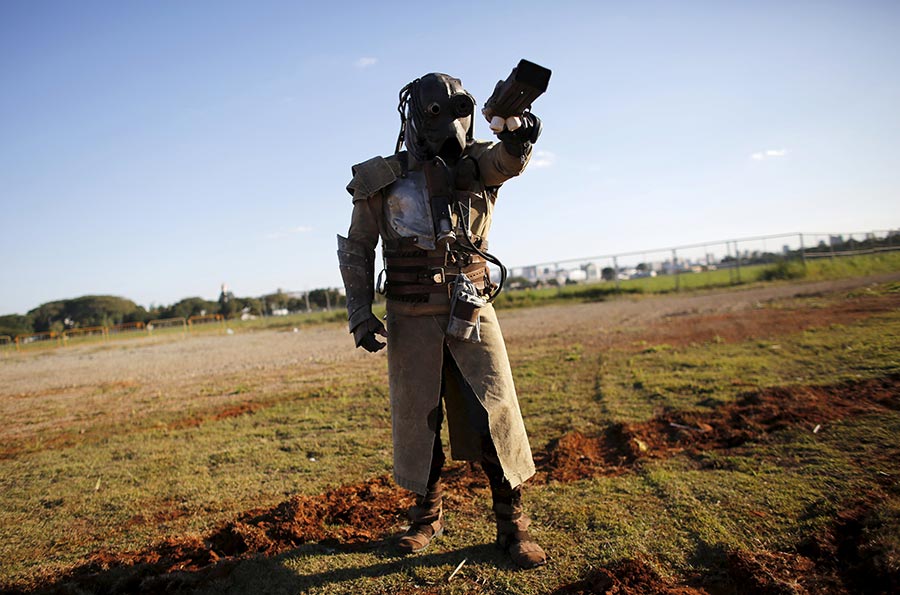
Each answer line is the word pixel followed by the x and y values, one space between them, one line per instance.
pixel 363 224
pixel 497 165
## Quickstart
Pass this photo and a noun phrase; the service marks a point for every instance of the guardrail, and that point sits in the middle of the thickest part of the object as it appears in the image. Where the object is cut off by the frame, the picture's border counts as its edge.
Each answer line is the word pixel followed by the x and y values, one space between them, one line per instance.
pixel 206 320
pixel 167 323
pixel 85 331
pixel 673 263
pixel 105 333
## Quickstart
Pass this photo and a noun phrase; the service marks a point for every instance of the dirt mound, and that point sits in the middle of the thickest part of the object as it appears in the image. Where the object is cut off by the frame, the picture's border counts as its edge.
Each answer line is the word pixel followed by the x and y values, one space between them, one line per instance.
pixel 358 516
pixel 626 577
pixel 575 456
pixel 859 548
pixel 351 517
pixel 845 558
pixel 348 515
pixel 774 573
pixel 752 417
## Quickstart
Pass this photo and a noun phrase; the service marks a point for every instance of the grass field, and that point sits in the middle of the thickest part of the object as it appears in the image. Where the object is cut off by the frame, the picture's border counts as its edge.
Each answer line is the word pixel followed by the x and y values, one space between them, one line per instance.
pixel 739 441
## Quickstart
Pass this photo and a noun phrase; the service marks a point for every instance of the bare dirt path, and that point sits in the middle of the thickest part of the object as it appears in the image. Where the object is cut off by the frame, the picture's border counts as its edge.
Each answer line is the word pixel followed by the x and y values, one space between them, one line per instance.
pixel 162 363
pixel 96 384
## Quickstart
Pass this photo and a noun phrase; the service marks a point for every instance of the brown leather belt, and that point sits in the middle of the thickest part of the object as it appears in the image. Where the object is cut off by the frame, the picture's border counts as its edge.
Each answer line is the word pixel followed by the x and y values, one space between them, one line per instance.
pixel 413 274
pixel 419 283
pixel 437 275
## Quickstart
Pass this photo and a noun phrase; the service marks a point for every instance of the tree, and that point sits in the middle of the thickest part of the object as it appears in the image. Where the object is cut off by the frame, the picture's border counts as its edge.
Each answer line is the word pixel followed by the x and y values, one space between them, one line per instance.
pixel 192 306
pixel 227 305
pixel 608 274
pixel 252 305
pixel 15 324
pixel 88 310
pixel 277 301
pixel 326 298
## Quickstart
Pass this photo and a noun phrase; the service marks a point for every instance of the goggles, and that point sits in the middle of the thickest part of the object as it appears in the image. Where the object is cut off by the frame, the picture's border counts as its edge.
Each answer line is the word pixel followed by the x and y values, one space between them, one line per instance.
pixel 459 105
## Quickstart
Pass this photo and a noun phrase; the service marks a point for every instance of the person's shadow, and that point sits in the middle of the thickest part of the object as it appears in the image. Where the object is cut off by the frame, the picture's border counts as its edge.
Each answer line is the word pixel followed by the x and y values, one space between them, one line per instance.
pixel 276 574
pixel 282 579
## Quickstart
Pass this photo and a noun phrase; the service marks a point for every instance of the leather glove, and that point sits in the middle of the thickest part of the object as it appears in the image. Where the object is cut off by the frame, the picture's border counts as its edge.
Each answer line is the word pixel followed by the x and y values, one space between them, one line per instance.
pixel 364 334
pixel 518 141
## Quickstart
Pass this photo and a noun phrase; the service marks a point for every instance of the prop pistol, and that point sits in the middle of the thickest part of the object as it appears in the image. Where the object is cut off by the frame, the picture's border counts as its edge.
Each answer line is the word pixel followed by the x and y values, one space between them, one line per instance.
pixel 513 97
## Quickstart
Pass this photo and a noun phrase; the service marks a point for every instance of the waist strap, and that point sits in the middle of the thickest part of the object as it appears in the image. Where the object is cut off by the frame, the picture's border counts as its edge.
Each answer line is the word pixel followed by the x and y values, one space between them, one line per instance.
pixel 435 275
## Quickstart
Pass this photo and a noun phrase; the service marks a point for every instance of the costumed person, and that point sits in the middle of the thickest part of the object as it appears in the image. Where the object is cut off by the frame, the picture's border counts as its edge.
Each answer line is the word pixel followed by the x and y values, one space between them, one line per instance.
pixel 431 205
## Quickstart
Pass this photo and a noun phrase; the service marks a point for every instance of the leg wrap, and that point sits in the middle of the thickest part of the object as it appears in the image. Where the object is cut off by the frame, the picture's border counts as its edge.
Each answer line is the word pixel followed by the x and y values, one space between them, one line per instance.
pixel 512 522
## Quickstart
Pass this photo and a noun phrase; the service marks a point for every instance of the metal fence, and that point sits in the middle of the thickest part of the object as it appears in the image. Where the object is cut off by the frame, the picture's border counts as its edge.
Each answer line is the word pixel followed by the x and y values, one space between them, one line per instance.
pixel 728 259
pixel 71 336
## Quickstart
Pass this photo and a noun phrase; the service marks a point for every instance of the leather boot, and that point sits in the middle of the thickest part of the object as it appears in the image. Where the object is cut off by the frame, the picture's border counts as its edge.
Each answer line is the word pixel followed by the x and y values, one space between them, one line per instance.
pixel 512 530
pixel 426 522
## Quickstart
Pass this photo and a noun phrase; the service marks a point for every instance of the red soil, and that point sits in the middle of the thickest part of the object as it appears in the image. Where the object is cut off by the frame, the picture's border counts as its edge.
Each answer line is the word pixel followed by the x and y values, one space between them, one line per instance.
pixel 576 456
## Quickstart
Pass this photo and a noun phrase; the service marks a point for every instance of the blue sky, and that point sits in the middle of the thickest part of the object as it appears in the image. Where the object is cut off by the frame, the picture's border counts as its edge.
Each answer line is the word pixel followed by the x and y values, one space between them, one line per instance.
pixel 153 150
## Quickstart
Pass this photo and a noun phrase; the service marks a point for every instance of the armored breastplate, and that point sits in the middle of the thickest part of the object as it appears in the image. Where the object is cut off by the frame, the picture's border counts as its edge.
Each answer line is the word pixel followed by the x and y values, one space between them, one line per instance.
pixel 408 211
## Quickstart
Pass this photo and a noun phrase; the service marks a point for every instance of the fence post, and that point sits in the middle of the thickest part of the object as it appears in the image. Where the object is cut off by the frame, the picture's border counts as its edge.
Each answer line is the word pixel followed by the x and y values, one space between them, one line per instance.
pixel 616 272
pixel 737 254
pixel 802 251
pixel 675 266
pixel 708 271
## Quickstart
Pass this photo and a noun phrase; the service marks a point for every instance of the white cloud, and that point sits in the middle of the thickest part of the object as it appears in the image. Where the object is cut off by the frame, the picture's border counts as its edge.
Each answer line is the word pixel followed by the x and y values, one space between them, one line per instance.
pixel 542 159
pixel 277 235
pixel 768 154
pixel 365 62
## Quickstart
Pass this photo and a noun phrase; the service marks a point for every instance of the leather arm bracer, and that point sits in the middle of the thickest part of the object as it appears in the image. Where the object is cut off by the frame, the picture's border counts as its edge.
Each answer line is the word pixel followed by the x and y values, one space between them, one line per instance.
pixel 357 264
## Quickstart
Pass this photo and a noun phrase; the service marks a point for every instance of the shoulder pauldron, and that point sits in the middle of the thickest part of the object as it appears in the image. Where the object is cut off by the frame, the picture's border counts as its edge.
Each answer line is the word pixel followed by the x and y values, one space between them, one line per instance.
pixel 373 175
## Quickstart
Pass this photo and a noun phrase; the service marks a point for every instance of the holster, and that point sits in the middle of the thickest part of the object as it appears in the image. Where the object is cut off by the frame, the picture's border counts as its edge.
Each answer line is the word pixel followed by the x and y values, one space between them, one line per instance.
pixel 465 305
pixel 358 272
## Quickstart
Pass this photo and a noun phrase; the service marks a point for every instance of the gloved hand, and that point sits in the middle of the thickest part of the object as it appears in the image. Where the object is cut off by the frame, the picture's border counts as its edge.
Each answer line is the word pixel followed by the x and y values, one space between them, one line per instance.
pixel 518 141
pixel 364 334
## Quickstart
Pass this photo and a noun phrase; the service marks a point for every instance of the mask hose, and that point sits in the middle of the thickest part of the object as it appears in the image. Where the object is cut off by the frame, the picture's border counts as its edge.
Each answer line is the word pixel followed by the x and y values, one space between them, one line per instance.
pixel 485 255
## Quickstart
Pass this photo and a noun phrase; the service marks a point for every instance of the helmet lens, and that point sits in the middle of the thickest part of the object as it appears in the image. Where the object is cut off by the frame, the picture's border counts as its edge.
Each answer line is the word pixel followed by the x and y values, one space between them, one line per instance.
pixel 462 105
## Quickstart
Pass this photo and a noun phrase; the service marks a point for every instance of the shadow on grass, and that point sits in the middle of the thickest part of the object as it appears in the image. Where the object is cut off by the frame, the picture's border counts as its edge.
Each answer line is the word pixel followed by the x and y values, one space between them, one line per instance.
pixel 274 574
pixel 389 564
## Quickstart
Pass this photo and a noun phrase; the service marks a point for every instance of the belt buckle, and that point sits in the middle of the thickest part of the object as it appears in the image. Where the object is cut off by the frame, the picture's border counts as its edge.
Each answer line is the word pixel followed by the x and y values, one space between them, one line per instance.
pixel 435 275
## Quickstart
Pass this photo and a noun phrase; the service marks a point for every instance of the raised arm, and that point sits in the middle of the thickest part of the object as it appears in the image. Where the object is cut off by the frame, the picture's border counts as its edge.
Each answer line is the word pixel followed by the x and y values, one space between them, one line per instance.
pixel 508 158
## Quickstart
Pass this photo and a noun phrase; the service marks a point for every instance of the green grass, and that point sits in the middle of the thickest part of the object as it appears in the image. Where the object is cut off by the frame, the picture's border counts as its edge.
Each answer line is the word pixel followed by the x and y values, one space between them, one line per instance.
pixel 116 490
pixel 814 270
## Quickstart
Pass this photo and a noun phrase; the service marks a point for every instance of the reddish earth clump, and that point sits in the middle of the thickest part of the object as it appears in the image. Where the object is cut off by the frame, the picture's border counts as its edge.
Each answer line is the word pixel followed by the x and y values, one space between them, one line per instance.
pixel 626 577
pixel 576 456
pixel 773 573
pixel 360 516
pixel 839 560
pixel 353 516
pixel 199 418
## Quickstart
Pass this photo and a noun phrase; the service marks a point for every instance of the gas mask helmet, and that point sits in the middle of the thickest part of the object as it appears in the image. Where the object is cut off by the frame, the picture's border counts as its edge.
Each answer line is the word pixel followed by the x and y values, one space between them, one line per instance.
pixel 437 117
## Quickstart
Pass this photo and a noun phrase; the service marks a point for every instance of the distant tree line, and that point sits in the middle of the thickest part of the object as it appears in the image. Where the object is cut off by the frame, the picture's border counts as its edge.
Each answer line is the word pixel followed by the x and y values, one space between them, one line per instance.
pixel 107 310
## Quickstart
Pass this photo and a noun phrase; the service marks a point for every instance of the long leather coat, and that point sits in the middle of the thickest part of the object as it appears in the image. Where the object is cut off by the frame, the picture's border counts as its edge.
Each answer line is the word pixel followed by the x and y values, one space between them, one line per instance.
pixel 384 206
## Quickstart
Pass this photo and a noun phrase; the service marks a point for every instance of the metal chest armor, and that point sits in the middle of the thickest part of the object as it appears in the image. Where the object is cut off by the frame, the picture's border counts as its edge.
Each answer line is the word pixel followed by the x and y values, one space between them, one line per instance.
pixel 407 210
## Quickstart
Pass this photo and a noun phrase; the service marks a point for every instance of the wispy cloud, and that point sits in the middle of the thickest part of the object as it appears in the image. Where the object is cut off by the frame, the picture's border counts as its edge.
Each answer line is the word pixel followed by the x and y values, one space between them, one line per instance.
pixel 277 235
pixel 365 62
pixel 768 154
pixel 543 159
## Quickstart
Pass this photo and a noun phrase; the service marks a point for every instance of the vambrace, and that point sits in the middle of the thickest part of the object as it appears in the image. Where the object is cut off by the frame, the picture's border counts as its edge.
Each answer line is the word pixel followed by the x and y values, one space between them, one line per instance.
pixel 358 271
